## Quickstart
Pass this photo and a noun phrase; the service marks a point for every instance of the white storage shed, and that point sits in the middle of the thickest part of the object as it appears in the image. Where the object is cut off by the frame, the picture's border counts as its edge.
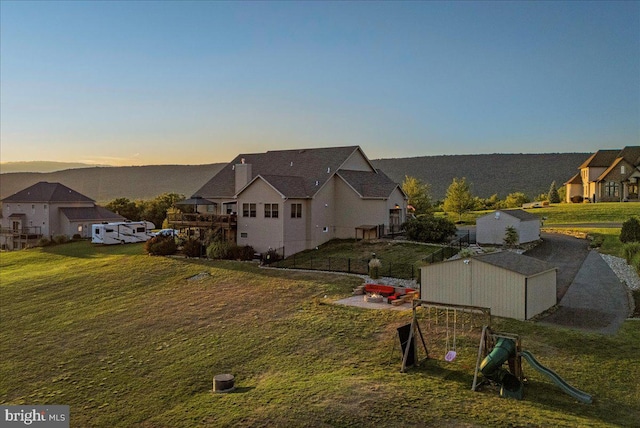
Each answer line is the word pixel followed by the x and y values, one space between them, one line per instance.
pixel 512 285
pixel 491 228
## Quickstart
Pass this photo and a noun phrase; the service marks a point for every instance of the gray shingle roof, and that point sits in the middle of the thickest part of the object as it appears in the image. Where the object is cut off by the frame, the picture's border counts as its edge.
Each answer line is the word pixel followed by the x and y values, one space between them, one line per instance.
pixel 524 265
pixel 369 184
pixel 91 214
pixel 601 158
pixel 47 192
pixel 292 172
pixel 520 214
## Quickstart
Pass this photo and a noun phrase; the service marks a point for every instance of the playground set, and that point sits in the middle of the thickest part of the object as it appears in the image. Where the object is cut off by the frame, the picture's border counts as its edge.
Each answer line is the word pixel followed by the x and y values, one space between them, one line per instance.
pixel 494 350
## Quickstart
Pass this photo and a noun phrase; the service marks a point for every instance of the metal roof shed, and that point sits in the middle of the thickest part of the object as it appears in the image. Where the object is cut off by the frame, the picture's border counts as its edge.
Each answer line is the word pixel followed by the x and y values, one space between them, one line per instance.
pixel 512 285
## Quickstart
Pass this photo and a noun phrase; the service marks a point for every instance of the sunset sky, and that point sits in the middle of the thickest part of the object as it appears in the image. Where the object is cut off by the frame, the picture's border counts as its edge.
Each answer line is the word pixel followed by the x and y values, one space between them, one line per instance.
pixel 138 83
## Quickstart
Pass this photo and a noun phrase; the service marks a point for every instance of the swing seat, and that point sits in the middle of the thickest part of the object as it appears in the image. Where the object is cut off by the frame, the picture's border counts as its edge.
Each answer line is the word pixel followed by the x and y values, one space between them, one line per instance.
pixel 450 356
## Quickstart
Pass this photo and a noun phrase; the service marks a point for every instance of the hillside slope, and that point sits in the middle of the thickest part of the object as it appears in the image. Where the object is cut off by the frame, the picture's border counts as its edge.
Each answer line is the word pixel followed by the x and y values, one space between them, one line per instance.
pixel 108 183
pixel 488 174
pixel 531 174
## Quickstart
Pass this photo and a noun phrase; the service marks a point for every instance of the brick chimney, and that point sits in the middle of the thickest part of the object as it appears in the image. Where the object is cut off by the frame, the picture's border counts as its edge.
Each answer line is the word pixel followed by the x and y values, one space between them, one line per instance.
pixel 243 174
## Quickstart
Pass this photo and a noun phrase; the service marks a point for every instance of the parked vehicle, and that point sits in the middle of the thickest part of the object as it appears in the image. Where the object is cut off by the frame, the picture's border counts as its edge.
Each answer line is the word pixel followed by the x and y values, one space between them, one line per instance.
pixel 123 232
pixel 166 232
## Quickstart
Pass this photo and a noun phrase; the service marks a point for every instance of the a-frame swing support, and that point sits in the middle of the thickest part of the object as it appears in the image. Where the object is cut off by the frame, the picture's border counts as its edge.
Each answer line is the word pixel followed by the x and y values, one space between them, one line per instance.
pixel 415 326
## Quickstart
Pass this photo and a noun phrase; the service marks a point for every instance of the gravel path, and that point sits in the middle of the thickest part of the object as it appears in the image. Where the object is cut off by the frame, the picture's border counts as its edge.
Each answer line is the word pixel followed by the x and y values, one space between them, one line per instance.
pixel 626 273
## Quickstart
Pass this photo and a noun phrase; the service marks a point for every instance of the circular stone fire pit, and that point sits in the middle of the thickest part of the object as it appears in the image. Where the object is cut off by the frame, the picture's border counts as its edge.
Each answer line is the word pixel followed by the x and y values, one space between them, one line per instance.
pixel 373 298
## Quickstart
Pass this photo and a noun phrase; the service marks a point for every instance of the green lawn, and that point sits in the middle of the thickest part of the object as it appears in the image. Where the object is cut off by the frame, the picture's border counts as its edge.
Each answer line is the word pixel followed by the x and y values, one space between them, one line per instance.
pixel 558 214
pixel 126 339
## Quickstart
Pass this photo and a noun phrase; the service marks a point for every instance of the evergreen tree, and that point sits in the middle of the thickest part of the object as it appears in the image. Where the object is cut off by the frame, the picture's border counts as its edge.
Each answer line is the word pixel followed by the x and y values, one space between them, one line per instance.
pixel 554 196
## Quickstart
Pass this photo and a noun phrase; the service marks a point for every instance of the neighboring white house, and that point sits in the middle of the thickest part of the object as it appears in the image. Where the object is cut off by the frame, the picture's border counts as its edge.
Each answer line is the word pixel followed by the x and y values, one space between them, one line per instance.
pixel 491 228
pixel 512 285
pixel 48 210
pixel 299 199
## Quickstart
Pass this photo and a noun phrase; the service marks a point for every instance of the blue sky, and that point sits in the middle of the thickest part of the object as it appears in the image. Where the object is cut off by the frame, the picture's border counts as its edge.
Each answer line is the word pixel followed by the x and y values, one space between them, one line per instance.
pixel 137 83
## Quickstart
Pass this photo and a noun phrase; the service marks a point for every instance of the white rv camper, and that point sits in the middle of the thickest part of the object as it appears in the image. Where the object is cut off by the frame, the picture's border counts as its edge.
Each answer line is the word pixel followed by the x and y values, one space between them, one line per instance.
pixel 122 232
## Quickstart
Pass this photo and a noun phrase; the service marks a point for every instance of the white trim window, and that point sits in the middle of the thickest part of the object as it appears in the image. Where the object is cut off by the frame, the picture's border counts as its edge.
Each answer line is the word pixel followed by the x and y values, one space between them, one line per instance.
pixel 270 210
pixel 296 210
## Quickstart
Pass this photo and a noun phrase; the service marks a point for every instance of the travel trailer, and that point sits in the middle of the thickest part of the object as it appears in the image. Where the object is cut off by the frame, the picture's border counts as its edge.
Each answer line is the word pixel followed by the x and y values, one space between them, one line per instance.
pixel 122 232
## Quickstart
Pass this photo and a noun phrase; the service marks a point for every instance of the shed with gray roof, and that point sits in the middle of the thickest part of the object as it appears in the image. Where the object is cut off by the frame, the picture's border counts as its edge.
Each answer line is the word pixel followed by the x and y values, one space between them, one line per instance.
pixel 512 285
pixel 491 228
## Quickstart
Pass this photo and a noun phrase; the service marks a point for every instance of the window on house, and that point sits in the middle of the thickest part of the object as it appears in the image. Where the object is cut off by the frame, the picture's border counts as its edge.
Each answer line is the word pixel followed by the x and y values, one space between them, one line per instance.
pixel 612 189
pixel 622 169
pixel 243 234
pixel 248 210
pixel 79 228
pixel 271 210
pixel 296 210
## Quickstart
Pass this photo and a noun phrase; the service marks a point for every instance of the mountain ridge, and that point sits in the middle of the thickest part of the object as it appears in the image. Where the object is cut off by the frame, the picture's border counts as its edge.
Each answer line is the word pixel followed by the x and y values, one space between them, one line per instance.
pixel 488 174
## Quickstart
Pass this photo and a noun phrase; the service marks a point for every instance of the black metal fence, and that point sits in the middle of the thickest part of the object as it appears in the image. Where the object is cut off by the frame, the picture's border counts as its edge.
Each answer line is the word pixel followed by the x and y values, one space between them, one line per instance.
pixel 345 264
pixel 274 258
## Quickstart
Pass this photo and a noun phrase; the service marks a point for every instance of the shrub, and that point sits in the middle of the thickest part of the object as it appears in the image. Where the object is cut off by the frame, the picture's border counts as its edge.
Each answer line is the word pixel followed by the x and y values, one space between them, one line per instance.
pixel 635 262
pixel 242 252
pixel 161 246
pixel 511 237
pixel 429 228
pixel 43 242
pixel 220 250
pixel 630 231
pixel 577 199
pixel 631 250
pixel 77 237
pixel 192 248
pixel 60 239
pixel 374 268
pixel 271 256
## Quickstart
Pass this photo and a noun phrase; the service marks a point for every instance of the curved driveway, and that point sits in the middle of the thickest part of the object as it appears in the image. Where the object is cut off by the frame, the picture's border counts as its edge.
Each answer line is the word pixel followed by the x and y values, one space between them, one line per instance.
pixel 590 295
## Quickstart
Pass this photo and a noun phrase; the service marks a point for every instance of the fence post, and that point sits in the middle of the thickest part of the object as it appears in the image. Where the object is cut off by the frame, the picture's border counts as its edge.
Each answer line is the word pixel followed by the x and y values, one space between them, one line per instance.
pixel 329 262
pixel 349 265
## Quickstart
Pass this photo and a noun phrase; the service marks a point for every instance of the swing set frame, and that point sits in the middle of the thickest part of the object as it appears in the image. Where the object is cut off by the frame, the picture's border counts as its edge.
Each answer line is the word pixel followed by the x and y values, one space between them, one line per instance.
pixel 415 329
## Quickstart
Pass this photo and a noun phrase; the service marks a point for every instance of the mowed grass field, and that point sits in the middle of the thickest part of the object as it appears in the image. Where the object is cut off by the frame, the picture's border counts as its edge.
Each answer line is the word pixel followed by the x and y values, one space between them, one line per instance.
pixel 126 340
pixel 562 214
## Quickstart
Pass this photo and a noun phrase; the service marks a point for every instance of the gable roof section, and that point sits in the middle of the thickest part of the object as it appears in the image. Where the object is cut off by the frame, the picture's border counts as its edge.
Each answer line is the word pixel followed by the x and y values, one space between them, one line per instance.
pixel 631 154
pixel 47 192
pixel 601 158
pixel 519 263
pixel 576 179
pixel 369 184
pixel 95 214
pixel 307 165
pixel 611 168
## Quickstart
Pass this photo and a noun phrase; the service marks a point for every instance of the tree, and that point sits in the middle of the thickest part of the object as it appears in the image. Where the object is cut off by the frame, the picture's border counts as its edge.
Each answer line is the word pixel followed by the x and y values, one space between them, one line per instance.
pixel 630 231
pixel 155 210
pixel 459 199
pixel 554 196
pixel 126 208
pixel 419 194
pixel 511 237
pixel 515 200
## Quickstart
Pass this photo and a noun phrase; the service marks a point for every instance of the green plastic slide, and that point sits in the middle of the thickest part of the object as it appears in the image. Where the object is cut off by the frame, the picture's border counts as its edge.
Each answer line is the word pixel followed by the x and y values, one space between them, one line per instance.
pixel 574 392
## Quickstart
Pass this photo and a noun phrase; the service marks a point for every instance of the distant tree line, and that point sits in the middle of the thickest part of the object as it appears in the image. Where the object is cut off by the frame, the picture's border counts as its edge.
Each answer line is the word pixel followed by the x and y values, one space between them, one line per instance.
pixel 459 198
pixel 154 210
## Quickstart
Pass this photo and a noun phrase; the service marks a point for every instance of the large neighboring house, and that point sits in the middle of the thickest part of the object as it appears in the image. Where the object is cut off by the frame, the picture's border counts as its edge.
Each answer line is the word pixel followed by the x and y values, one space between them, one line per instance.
pixel 608 176
pixel 293 200
pixel 48 210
